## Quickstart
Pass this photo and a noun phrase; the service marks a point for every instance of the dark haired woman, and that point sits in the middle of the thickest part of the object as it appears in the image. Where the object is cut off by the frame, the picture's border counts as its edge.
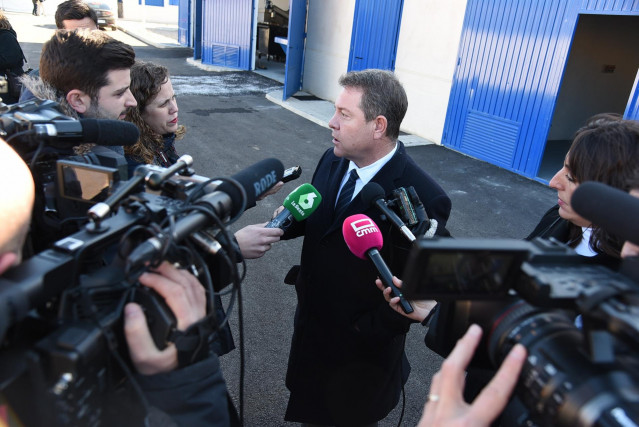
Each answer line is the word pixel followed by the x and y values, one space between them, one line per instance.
pixel 607 151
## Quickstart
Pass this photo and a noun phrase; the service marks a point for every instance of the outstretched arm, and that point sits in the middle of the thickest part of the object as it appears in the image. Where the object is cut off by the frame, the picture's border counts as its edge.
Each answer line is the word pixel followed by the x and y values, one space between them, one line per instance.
pixel 255 240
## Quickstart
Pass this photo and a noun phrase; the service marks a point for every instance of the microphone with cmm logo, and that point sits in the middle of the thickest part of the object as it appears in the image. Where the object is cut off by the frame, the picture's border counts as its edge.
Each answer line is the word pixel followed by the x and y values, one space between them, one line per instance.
pixel 297 206
pixel 363 238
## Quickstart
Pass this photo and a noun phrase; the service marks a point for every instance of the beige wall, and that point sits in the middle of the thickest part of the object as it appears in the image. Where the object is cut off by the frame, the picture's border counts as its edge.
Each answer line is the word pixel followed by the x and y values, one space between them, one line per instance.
pixel 426 56
pixel 329 27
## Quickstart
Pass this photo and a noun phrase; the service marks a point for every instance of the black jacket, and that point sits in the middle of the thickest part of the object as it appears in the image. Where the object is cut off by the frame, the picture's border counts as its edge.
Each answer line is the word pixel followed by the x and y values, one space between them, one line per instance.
pixel 192 396
pixel 347 363
pixel 552 225
pixel 164 157
pixel 11 59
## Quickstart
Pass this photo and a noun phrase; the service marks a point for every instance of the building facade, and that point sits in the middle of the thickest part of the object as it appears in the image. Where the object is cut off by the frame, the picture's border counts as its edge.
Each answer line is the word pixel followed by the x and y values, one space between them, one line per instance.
pixel 505 81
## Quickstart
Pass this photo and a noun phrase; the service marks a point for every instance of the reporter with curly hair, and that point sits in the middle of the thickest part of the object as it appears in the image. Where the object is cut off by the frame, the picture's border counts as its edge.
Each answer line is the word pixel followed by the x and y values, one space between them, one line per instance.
pixel 156 115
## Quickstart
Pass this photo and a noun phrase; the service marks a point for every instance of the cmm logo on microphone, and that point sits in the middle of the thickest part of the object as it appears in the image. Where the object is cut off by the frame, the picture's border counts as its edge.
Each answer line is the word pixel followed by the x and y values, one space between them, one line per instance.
pixel 364 226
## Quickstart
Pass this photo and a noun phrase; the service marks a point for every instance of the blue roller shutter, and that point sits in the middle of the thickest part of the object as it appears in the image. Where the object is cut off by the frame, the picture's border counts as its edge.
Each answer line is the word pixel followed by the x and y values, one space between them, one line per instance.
pixel 226 33
pixel 375 34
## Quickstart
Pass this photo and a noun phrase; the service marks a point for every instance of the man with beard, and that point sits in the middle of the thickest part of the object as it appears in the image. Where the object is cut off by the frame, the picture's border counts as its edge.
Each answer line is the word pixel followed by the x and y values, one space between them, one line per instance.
pixel 88 74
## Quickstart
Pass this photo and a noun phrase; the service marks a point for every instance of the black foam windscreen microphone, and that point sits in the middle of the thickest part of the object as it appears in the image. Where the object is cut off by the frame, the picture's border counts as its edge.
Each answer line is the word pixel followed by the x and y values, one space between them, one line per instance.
pixel 256 180
pixel 372 194
pixel 97 131
pixel 612 209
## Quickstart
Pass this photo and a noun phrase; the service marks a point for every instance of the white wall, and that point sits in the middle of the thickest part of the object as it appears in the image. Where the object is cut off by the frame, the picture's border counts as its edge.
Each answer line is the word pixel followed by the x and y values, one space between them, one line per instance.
pixel 329 27
pixel 156 14
pixel 426 56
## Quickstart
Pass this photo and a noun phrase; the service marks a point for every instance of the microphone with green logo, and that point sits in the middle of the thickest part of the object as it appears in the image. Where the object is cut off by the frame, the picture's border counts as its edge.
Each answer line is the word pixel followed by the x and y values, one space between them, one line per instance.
pixel 297 206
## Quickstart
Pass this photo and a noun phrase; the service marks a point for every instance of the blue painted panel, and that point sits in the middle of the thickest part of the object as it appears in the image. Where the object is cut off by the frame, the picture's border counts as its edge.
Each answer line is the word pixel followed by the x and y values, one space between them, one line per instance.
pixel 484 130
pixel 184 22
pixel 512 56
pixel 295 47
pixel 226 33
pixel 375 34
pixel 632 109
pixel 152 2
pixel 174 2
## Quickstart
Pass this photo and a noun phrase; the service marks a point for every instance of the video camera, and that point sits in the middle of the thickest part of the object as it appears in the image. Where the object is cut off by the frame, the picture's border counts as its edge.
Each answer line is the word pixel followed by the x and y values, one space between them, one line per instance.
pixel 48 141
pixel 62 351
pixel 61 310
pixel 534 293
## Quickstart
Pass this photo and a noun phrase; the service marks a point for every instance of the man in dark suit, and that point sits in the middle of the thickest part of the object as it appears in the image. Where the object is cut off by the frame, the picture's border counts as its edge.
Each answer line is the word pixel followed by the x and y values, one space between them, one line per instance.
pixel 347 364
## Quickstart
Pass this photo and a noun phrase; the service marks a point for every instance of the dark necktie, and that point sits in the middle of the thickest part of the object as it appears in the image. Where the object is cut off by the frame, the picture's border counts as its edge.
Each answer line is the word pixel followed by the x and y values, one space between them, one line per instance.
pixel 346 194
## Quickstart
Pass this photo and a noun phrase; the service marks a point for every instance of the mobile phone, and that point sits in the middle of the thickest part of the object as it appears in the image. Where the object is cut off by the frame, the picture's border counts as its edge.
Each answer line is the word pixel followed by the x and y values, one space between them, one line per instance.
pixel 292 173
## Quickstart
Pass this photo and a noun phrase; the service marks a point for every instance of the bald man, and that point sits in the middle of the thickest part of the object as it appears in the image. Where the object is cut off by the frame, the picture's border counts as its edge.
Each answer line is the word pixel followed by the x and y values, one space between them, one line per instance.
pixel 17 202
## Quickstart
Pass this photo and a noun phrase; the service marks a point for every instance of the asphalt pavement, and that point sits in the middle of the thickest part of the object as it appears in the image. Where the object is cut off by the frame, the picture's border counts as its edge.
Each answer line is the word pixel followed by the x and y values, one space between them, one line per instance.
pixel 230 125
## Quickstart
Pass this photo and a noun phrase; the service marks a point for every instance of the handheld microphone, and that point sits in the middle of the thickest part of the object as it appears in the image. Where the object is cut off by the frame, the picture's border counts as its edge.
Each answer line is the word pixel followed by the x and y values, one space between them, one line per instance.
pixel 612 209
pixel 98 131
pixel 298 205
pixel 363 238
pixel 372 194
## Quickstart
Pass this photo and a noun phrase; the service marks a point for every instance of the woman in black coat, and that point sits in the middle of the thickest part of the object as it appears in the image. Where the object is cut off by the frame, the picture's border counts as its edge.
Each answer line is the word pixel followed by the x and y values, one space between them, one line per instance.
pixel 11 56
pixel 606 150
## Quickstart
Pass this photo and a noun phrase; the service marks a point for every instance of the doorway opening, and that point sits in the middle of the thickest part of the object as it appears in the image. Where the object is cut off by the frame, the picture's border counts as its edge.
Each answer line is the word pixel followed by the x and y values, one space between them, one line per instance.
pixel 272 35
pixel 598 78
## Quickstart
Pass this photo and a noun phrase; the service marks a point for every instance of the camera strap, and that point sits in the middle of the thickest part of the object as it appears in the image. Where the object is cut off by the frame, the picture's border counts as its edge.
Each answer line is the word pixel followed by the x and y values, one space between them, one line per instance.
pixel 192 345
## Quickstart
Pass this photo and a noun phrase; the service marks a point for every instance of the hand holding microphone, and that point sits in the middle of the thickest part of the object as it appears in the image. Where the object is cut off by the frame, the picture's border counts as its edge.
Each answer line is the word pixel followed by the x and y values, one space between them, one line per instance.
pixel 298 205
pixel 422 308
pixel 364 239
pixel 255 240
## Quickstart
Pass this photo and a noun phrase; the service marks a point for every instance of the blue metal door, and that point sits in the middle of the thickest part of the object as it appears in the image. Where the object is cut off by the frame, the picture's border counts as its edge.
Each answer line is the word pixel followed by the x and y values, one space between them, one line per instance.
pixel 375 34
pixel 184 22
pixel 295 47
pixel 632 109
pixel 511 59
pixel 226 33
